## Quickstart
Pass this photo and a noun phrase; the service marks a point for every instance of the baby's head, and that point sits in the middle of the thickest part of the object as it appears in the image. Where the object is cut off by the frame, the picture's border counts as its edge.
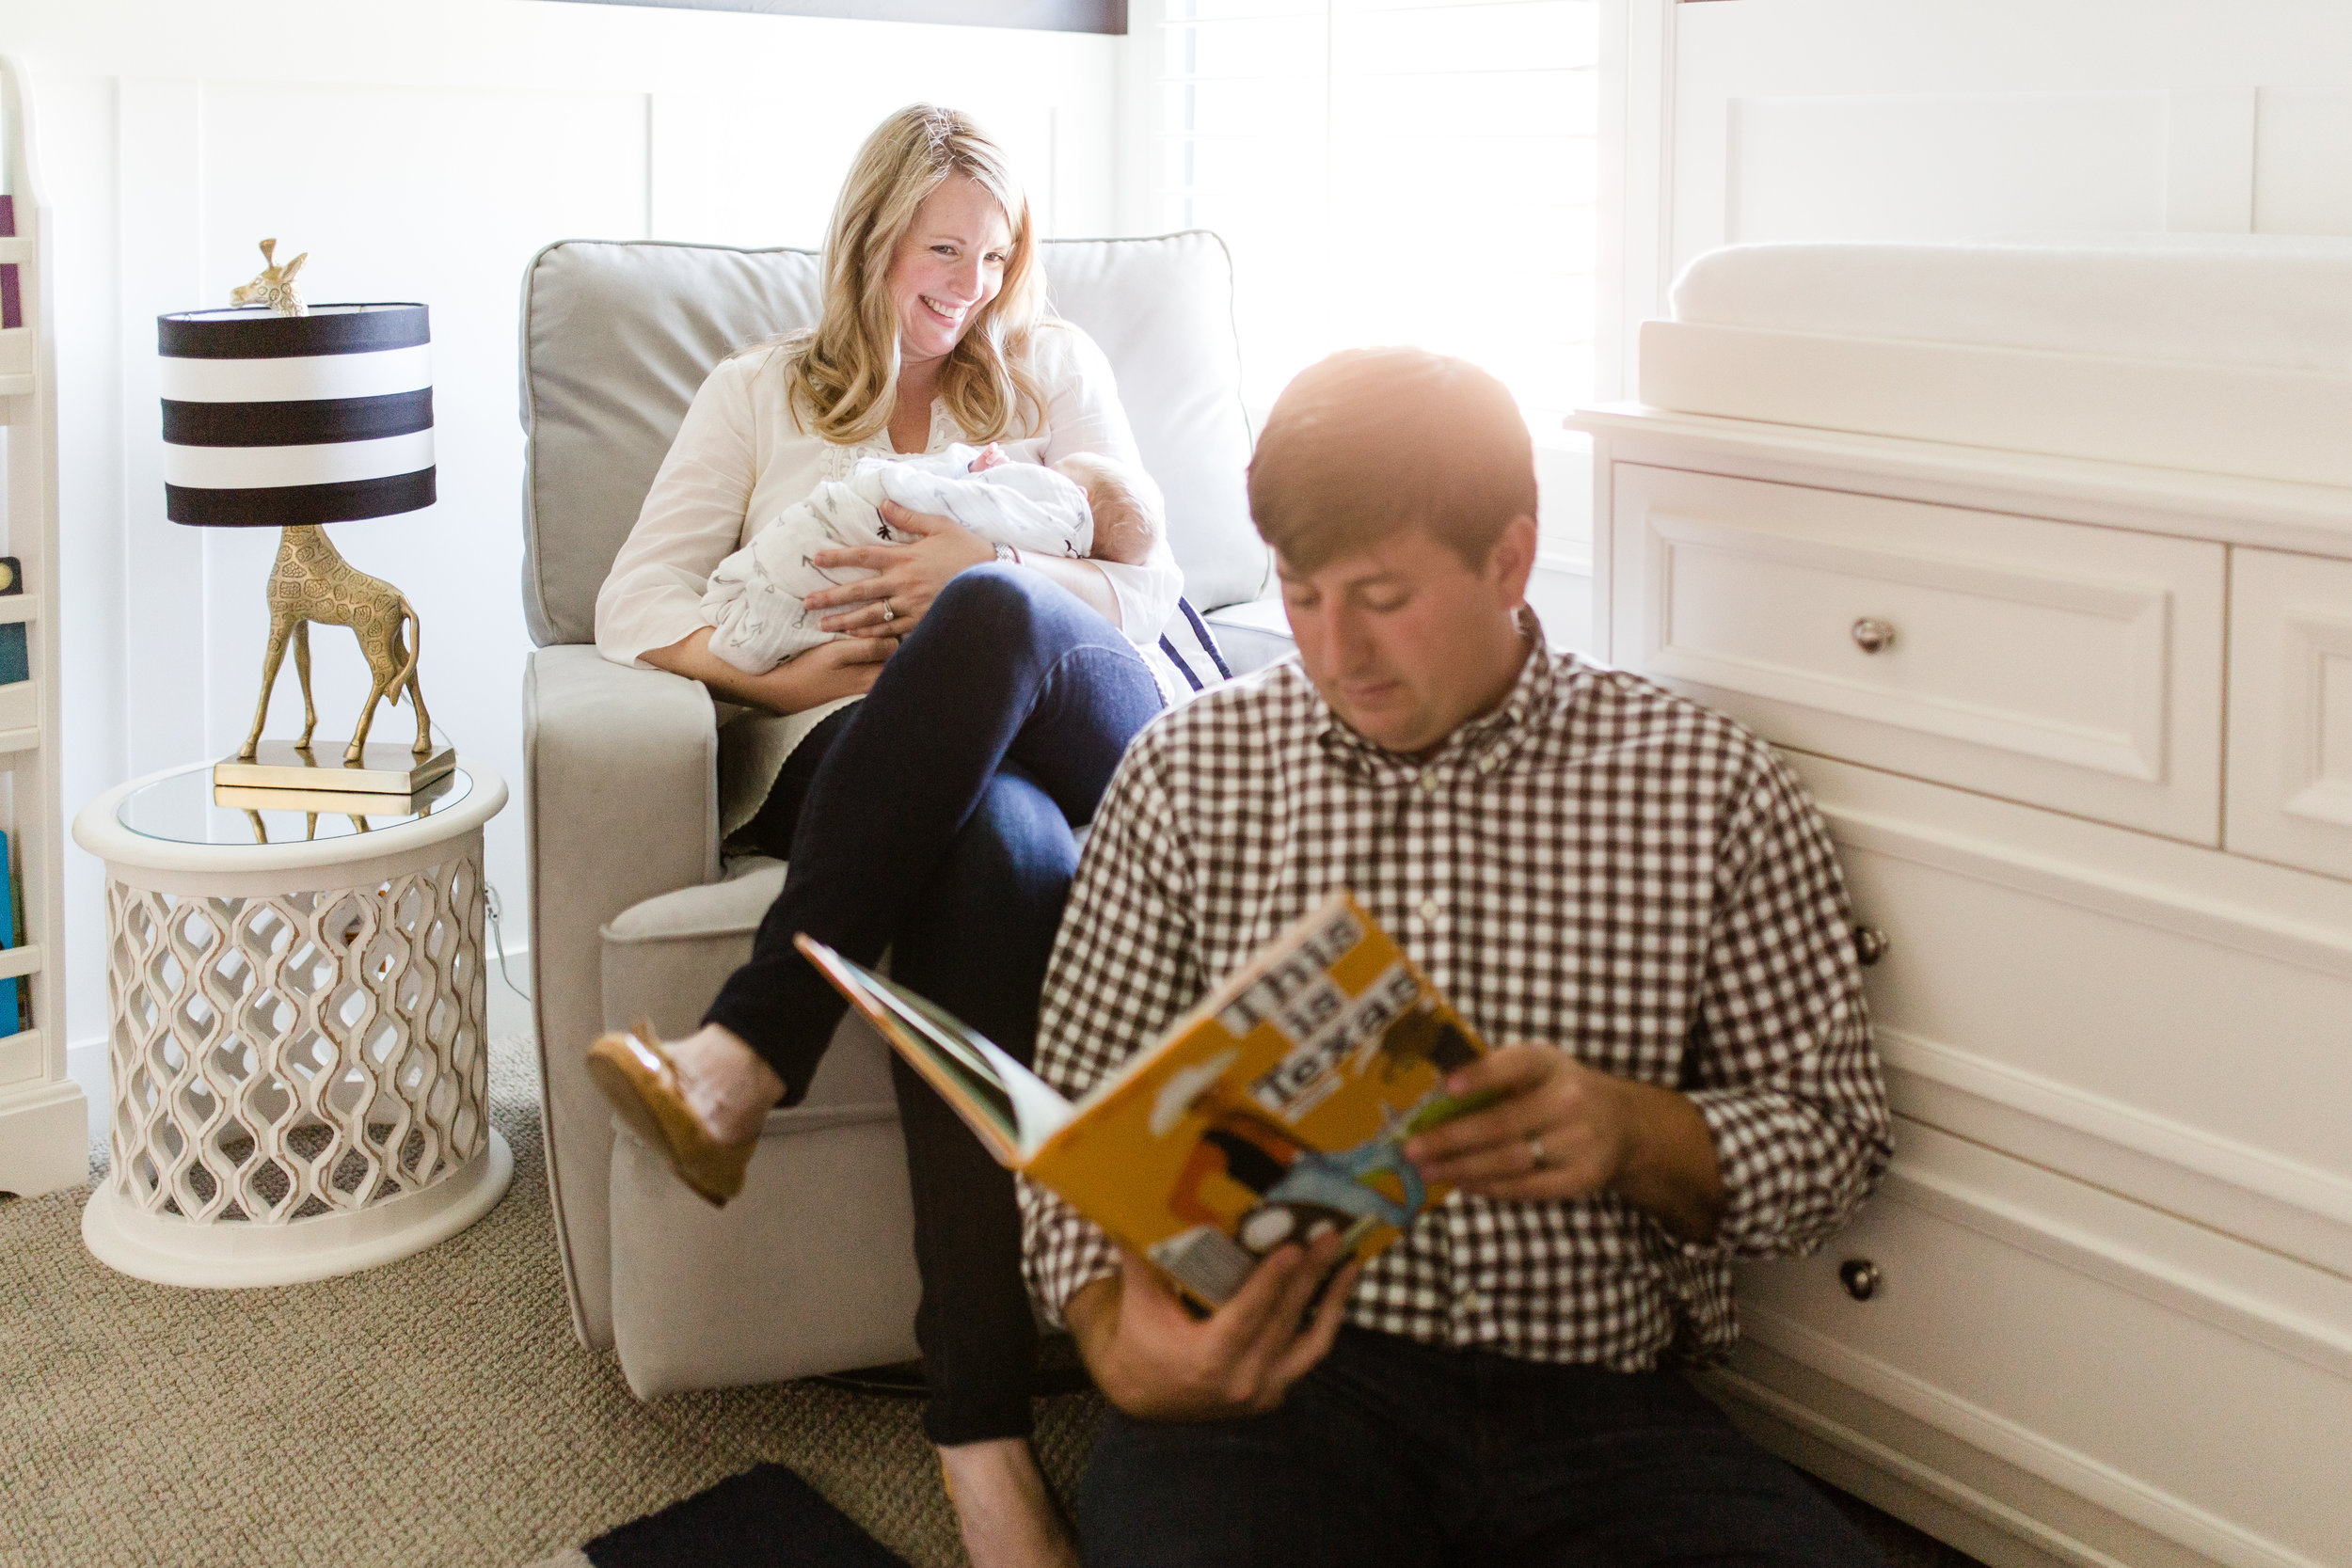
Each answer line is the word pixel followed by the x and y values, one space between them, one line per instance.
pixel 1129 510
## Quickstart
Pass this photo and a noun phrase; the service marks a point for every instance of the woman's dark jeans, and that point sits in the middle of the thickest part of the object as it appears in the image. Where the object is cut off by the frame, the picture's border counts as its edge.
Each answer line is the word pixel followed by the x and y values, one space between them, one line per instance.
pixel 937 822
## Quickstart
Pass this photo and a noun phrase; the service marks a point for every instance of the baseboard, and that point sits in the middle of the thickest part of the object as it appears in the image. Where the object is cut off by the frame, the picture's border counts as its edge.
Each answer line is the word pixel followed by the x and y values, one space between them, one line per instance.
pixel 86 1064
pixel 509 1009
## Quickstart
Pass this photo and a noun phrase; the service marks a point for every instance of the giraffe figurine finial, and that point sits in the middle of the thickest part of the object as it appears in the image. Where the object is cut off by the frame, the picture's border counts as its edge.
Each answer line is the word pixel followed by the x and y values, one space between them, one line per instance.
pixel 274 285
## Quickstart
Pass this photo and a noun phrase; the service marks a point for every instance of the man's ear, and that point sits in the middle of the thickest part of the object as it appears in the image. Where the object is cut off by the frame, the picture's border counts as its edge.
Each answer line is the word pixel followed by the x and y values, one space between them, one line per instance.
pixel 1513 560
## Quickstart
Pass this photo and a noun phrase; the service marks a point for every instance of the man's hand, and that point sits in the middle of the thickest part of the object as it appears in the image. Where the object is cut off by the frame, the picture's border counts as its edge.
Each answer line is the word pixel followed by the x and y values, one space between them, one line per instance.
pixel 1157 1363
pixel 1562 1130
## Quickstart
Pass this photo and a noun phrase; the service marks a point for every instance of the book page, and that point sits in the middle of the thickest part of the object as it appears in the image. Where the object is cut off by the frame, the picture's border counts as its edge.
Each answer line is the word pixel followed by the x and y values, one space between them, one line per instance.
pixel 1011 1108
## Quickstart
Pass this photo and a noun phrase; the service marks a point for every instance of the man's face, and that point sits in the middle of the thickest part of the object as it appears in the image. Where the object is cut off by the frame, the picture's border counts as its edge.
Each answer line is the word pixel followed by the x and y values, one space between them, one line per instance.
pixel 1404 640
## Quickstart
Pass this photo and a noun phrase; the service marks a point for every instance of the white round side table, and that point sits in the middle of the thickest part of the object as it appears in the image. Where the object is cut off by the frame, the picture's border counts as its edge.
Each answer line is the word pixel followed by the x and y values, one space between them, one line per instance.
pixel 297 1025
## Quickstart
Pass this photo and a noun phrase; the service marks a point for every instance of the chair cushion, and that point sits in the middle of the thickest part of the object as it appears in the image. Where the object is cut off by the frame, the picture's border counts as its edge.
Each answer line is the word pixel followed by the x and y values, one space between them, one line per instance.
pixel 616 337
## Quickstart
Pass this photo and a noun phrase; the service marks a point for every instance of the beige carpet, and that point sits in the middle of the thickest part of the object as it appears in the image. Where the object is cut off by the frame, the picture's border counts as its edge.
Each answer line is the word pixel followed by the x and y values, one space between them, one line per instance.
pixel 435 1412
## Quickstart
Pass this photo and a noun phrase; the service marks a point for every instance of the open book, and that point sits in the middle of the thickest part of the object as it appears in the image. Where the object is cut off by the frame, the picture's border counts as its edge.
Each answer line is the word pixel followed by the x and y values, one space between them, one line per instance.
pixel 1272 1112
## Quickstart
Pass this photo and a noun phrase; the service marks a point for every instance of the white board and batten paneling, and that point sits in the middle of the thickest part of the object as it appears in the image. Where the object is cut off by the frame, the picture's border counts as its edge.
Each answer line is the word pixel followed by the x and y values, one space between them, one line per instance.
pixel 2090 770
pixel 420 151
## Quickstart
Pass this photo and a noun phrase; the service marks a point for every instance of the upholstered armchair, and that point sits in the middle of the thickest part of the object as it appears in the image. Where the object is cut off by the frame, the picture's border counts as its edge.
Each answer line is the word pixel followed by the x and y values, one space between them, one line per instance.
pixel 635 913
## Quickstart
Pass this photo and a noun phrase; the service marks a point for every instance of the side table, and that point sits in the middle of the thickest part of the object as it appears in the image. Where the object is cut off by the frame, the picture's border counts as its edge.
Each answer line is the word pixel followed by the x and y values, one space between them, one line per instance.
pixel 296 1031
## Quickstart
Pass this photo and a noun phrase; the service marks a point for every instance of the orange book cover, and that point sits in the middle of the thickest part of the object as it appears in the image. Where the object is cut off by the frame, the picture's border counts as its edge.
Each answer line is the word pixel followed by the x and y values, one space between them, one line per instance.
pixel 1274 1111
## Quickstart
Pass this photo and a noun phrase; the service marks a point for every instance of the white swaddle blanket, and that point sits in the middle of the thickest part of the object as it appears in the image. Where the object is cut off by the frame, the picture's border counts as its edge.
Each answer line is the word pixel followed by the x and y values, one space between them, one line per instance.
pixel 756 603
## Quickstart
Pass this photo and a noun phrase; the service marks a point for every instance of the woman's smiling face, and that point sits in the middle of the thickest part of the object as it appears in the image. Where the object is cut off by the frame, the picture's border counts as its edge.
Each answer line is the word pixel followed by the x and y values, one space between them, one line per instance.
pixel 948 265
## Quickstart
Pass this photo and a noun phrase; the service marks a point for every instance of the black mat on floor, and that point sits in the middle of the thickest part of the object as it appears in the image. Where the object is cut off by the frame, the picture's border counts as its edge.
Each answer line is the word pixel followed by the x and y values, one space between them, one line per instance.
pixel 767 1518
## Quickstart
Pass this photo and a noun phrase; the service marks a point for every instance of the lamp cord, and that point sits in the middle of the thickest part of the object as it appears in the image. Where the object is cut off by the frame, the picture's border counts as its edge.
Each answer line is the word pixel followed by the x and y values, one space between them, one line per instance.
pixel 497 938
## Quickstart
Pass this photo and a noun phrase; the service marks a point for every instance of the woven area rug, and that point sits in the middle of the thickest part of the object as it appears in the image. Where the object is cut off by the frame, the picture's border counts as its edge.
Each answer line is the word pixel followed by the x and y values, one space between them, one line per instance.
pixel 433 1413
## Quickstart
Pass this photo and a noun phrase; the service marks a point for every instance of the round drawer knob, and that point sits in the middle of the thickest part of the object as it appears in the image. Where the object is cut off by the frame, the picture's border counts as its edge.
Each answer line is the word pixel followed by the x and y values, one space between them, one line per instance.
pixel 1873 636
pixel 1869 945
pixel 1860 1277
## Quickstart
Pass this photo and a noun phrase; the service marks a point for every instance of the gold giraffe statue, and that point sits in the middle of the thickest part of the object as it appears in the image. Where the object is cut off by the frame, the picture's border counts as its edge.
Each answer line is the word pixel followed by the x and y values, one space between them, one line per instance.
pixel 274 285
pixel 311 582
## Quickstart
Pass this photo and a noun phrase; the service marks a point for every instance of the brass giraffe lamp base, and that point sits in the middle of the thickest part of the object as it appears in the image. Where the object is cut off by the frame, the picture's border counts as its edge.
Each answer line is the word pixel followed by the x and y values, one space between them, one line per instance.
pixel 384 767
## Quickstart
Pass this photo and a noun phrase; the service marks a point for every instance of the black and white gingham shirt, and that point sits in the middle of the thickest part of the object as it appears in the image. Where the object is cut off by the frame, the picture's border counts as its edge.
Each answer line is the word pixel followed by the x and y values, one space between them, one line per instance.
pixel 1597 865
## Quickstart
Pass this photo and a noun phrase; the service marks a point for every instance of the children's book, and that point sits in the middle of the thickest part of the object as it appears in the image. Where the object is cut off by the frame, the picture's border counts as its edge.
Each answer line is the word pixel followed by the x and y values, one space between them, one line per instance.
pixel 1274 1111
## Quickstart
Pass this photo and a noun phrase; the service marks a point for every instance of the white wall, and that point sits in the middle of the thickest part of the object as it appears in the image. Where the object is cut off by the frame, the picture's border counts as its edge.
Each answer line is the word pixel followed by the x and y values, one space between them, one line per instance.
pixel 421 150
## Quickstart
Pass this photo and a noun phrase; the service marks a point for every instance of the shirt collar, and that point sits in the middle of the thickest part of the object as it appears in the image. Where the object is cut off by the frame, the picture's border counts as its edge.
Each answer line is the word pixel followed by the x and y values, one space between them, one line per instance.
pixel 1481 745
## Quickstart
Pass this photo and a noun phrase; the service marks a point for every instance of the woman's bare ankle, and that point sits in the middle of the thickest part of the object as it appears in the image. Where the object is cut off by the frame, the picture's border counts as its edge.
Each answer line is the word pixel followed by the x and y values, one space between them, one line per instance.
pixel 1005 1514
pixel 729 1089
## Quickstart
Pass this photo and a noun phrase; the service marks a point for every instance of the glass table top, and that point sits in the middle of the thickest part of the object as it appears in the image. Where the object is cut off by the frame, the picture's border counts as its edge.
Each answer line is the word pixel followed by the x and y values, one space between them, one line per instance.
pixel 187 807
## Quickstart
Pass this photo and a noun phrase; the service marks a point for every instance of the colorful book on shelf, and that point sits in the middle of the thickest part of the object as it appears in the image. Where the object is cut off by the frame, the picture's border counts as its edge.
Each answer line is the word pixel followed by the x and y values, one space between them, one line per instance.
pixel 17 706
pixel 12 991
pixel 1274 1111
pixel 11 294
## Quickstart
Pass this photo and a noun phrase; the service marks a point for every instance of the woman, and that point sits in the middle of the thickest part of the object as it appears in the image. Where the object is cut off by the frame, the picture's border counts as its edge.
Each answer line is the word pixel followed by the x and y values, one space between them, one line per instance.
pixel 934 817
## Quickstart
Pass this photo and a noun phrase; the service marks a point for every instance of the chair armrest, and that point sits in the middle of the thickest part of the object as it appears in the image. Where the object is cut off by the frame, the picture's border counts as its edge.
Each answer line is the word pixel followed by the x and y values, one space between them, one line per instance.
pixel 1252 635
pixel 620 803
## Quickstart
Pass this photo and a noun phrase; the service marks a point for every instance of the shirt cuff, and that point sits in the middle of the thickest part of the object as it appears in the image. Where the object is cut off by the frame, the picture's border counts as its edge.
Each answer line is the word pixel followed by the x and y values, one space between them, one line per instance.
pixel 1761 1144
pixel 1145 594
pixel 1062 1252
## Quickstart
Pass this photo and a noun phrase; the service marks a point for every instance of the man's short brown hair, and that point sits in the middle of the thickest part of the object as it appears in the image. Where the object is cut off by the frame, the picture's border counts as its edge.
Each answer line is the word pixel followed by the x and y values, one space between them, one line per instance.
pixel 1371 441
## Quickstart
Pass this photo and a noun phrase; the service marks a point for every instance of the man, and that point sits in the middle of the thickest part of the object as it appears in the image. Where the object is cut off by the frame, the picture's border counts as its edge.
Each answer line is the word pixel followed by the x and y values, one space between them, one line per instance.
pixel 1623 892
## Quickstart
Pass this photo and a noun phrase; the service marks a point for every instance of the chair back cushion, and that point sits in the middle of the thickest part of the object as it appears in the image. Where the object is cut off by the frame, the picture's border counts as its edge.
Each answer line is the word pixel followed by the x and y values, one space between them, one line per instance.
pixel 617 336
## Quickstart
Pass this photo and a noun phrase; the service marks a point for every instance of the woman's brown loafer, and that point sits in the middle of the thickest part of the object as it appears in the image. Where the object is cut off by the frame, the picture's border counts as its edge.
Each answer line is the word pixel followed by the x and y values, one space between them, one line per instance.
pixel 644 1089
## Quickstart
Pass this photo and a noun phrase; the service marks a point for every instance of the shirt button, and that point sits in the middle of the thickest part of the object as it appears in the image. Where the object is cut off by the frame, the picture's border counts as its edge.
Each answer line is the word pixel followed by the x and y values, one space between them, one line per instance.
pixel 1470 1301
pixel 1429 781
pixel 1429 911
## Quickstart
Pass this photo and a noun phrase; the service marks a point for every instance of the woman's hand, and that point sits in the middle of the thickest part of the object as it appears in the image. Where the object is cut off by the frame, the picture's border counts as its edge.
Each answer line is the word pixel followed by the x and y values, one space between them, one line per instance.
pixel 907 577
pixel 845 667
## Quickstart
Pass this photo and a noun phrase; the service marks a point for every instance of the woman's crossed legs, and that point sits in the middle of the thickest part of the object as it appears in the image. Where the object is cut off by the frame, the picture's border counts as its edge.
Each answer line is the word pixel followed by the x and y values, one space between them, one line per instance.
pixel 939 824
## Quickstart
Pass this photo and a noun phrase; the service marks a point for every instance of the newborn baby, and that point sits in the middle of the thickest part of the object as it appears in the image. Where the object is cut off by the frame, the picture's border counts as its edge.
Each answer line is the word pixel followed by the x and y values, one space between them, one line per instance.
pixel 1084 505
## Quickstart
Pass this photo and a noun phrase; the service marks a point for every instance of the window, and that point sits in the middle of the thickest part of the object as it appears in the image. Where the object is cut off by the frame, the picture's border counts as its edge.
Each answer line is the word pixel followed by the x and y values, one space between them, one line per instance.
pixel 1418 171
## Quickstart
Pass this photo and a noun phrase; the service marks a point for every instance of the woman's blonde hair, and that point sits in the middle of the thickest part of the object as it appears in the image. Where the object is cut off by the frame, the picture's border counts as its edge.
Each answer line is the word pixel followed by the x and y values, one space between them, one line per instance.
pixel 843 374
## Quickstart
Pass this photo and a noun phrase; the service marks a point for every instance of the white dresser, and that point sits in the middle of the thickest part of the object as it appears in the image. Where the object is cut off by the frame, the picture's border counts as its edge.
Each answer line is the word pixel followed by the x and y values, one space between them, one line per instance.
pixel 2083 732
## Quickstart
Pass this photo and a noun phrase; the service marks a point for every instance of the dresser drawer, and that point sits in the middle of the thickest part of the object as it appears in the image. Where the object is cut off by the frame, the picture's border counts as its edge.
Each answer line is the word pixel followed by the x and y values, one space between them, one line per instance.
pixel 2054 663
pixel 2291 710
pixel 2190 1385
pixel 2207 1035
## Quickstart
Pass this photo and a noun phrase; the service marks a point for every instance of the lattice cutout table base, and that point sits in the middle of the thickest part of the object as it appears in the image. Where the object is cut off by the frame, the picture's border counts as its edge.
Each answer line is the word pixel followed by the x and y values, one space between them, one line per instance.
pixel 298 1045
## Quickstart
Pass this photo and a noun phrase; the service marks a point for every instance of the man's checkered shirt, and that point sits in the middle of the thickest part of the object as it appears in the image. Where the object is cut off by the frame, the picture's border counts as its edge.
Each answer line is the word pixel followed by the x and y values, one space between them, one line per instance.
pixel 1597 865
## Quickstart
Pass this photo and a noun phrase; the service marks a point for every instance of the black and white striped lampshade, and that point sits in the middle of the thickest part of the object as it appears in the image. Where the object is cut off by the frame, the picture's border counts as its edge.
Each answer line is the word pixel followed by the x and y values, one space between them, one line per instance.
pixel 271 421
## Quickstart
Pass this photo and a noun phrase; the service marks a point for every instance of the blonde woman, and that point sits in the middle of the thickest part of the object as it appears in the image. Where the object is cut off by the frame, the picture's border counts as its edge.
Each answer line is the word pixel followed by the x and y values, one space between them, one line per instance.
pixel 935 815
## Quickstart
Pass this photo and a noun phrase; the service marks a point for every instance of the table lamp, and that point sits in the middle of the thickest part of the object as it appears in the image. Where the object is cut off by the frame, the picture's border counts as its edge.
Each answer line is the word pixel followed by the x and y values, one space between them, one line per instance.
pixel 292 420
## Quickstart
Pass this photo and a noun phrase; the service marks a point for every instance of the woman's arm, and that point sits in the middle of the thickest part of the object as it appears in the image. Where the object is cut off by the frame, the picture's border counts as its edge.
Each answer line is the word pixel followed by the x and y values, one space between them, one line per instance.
pixel 908 577
pixel 1084 414
pixel 843 667
pixel 692 519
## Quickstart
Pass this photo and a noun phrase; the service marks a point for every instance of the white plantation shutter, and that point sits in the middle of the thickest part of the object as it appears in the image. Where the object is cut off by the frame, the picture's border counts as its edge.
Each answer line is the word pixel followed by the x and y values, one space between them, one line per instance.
pixel 1394 171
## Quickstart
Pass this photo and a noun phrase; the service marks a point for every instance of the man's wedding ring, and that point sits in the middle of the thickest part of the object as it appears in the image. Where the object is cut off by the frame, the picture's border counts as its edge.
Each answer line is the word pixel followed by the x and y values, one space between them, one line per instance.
pixel 888 614
pixel 1537 1151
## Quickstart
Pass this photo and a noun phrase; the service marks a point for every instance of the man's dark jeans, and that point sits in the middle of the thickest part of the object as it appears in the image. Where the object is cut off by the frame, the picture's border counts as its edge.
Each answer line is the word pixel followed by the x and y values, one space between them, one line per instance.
pixel 936 820
pixel 1392 1454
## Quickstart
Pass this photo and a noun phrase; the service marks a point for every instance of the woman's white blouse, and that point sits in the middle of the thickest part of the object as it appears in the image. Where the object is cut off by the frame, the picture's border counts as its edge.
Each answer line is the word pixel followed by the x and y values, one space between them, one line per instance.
pixel 739 460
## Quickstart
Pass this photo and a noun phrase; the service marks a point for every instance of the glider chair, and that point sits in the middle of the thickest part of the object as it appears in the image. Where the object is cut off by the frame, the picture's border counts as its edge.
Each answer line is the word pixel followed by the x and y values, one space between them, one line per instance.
pixel 635 911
